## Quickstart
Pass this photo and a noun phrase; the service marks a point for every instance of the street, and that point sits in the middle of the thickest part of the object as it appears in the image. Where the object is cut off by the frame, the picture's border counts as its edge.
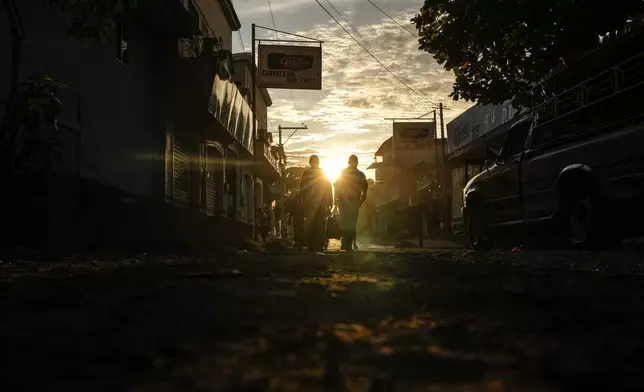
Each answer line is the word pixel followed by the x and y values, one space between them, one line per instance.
pixel 380 319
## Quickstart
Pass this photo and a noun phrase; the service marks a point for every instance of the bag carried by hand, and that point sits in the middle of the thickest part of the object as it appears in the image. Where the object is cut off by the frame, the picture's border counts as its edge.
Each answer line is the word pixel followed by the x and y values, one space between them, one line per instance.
pixel 333 228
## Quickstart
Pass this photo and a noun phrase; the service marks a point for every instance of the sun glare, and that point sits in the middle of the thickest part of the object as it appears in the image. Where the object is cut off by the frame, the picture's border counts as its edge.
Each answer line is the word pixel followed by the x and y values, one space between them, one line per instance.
pixel 333 167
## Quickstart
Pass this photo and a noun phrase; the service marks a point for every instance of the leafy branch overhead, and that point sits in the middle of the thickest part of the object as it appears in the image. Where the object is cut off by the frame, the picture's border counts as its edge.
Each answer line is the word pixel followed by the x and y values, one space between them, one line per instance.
pixel 38 100
pixel 496 49
pixel 93 19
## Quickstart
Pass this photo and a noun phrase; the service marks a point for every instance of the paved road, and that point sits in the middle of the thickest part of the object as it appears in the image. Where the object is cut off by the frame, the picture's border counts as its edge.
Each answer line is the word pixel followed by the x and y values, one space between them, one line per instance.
pixel 377 320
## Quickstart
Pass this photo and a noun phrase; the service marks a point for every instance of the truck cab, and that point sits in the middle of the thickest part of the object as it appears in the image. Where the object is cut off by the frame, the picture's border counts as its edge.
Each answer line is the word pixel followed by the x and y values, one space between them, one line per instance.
pixel 576 162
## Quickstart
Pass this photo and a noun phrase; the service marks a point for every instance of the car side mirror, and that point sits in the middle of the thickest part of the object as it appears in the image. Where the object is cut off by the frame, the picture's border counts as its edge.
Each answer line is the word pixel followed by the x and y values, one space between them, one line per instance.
pixel 491 153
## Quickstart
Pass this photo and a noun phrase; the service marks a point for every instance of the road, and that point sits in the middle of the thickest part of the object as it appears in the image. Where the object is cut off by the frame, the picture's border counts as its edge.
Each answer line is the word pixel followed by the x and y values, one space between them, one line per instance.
pixel 380 319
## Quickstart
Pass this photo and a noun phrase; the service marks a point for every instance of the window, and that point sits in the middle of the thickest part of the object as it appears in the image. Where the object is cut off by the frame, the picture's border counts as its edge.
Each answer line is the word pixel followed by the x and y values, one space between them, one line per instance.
pixel 515 143
pixel 122 40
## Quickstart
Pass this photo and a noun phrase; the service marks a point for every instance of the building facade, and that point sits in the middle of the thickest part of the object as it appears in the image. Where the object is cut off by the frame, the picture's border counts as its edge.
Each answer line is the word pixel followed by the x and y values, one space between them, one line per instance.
pixel 266 169
pixel 155 138
pixel 467 135
pixel 398 171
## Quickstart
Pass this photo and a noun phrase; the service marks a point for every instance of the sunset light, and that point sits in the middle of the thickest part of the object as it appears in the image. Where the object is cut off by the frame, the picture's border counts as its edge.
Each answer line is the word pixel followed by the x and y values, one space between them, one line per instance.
pixel 333 166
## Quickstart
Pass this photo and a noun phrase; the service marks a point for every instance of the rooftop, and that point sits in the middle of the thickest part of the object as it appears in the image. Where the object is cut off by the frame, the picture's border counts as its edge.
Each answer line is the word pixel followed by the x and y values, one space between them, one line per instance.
pixel 231 15
pixel 247 58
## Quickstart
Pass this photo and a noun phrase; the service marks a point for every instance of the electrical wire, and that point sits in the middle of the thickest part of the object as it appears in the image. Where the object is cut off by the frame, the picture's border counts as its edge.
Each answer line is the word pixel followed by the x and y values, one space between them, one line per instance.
pixel 289 138
pixel 355 29
pixel 270 7
pixel 348 22
pixel 392 19
pixel 241 40
pixel 421 94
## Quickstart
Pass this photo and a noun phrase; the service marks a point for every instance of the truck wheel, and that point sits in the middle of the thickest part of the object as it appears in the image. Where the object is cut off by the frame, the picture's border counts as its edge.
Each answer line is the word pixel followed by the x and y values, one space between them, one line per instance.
pixel 478 232
pixel 581 221
pixel 585 225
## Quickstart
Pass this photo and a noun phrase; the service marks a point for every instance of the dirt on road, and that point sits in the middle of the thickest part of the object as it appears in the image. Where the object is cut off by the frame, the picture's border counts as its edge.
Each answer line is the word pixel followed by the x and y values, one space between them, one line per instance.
pixel 380 319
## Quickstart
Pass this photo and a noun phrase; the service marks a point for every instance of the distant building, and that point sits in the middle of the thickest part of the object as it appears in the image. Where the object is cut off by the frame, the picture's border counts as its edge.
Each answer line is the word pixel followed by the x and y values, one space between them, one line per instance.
pixel 399 168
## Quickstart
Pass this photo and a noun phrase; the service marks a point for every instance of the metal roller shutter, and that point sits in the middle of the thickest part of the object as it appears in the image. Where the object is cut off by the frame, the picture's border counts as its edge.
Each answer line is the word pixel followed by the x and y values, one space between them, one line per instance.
pixel 181 175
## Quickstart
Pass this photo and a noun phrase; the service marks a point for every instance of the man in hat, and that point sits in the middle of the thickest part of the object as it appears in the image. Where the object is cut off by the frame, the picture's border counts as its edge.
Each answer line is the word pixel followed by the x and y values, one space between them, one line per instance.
pixel 351 191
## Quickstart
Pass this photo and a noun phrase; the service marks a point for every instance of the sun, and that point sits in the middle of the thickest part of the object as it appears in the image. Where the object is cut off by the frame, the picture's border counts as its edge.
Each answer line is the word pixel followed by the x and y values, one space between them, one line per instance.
pixel 332 167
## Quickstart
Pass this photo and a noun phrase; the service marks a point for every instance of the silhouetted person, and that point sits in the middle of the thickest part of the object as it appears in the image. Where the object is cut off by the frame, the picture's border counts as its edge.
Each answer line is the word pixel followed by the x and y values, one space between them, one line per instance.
pixel 351 191
pixel 263 221
pixel 297 218
pixel 316 195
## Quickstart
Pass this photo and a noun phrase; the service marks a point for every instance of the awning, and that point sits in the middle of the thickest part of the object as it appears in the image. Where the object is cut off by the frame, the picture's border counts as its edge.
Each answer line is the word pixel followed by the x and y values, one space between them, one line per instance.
pixel 476 149
pixel 377 165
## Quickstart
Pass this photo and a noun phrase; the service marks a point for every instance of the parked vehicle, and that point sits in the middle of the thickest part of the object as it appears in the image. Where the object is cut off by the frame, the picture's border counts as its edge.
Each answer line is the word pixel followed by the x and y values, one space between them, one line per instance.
pixel 576 162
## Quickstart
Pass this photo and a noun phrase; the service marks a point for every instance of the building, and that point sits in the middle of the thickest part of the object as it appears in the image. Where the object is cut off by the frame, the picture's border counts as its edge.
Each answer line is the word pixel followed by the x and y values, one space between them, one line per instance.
pixel 400 164
pixel 467 136
pixel 267 162
pixel 156 140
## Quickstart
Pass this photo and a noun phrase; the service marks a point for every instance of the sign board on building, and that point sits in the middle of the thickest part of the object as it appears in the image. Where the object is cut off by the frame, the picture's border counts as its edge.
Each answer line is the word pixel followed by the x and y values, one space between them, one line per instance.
pixel 414 135
pixel 290 67
pixel 476 122
pixel 413 142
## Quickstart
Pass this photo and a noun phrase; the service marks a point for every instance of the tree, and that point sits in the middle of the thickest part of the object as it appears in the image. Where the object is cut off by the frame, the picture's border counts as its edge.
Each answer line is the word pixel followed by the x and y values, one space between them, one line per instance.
pixel 293 179
pixel 497 49
pixel 86 19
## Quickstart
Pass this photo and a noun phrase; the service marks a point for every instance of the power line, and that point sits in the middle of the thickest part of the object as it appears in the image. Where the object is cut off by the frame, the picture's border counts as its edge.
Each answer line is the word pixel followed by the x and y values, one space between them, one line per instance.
pixel 289 138
pixel 241 40
pixel 270 7
pixel 355 29
pixel 392 19
pixel 421 94
pixel 348 22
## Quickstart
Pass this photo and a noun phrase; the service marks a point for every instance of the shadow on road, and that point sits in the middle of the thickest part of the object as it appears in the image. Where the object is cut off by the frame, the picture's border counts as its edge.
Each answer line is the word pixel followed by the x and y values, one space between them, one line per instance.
pixel 385 320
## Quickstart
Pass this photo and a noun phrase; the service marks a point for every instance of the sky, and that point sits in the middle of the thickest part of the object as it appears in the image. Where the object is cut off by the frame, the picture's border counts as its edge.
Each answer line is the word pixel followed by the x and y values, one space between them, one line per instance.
pixel 348 115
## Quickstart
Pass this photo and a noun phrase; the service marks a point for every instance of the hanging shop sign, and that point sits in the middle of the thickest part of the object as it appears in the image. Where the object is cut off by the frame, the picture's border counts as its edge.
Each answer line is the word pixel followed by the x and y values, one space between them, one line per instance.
pixel 414 135
pixel 413 142
pixel 476 122
pixel 290 67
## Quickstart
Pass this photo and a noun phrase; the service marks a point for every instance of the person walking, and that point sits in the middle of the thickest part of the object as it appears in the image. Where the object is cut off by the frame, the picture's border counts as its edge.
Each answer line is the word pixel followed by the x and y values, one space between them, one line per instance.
pixel 297 217
pixel 351 191
pixel 262 224
pixel 317 198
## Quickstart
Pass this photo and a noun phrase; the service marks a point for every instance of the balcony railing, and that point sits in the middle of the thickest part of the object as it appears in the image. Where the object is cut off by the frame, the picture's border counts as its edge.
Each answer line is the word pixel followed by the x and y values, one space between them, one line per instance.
pixel 268 155
pixel 231 110
pixel 578 109
pixel 272 159
pixel 198 47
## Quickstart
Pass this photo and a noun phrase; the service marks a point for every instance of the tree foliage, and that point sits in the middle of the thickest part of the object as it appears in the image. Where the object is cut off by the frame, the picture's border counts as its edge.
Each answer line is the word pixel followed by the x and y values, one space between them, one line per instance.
pixel 36 145
pixel 93 19
pixel 29 107
pixel 496 49
pixel 293 178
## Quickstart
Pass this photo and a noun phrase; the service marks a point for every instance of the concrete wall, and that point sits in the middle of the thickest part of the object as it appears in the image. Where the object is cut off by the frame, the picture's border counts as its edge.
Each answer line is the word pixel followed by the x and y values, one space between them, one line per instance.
pixel 215 16
pixel 120 140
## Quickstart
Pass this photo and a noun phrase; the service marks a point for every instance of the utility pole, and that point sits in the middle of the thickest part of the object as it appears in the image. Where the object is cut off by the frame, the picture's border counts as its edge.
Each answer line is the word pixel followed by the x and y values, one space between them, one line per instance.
pixel 254 109
pixel 444 221
pixel 283 169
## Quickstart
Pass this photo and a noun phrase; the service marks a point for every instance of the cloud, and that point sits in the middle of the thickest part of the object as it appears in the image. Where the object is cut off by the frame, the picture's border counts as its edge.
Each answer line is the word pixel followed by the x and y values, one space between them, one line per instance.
pixel 348 115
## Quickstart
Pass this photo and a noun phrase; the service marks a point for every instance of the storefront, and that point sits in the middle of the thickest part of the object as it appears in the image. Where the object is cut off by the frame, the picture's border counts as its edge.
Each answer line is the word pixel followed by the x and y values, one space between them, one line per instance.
pixel 467 136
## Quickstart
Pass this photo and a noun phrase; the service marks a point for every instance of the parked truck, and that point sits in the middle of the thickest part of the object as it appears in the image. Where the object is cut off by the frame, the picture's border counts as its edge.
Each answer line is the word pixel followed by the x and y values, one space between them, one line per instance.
pixel 575 164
